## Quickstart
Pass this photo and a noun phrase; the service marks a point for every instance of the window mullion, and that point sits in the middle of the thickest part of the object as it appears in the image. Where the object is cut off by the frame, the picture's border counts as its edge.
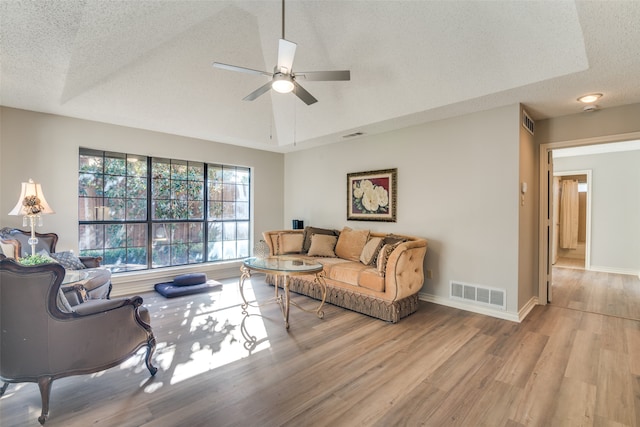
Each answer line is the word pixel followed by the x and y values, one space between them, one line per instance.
pixel 149 214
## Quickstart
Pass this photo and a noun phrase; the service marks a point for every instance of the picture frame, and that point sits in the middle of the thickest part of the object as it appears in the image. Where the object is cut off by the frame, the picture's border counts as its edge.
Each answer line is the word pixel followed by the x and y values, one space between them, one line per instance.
pixel 372 195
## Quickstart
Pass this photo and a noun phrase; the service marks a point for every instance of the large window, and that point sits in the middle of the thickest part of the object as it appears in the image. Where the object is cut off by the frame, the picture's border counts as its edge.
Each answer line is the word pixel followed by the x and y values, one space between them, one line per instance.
pixel 142 212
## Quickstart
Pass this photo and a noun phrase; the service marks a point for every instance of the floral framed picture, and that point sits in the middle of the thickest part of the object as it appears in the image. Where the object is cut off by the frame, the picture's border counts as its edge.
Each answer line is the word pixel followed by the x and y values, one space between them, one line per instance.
pixel 371 196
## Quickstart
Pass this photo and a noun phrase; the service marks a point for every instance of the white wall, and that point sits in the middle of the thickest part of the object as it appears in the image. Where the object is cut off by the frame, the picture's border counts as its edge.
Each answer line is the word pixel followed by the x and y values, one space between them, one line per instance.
pixel 528 219
pixel 458 187
pixel 602 123
pixel 615 208
pixel 45 147
pixel 2 204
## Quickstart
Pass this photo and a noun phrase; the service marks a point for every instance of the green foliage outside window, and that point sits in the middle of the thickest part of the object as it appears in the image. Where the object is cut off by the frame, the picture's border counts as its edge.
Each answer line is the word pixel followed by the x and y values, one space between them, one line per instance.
pixel 199 212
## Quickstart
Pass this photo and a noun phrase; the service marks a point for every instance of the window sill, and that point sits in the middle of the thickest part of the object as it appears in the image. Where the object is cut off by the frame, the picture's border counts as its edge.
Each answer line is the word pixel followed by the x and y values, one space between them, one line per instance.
pixel 137 282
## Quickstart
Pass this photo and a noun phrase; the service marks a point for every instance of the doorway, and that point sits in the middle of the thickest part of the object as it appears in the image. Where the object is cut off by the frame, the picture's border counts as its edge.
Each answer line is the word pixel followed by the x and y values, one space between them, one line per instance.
pixel 571 219
pixel 547 224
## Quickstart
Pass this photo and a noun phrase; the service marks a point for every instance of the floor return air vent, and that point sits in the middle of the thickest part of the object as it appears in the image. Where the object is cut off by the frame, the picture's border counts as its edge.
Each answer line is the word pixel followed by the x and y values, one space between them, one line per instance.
pixel 476 294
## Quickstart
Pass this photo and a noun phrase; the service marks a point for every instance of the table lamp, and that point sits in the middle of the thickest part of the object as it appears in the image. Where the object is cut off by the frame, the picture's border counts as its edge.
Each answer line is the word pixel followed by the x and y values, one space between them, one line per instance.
pixel 32 205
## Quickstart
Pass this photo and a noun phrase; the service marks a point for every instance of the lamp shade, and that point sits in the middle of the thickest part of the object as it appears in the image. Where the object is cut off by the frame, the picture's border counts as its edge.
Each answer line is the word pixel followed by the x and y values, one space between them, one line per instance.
pixel 31 201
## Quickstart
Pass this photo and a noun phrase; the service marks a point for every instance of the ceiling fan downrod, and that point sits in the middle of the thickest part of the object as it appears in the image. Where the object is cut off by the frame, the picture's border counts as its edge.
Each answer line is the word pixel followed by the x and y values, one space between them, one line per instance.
pixel 283 19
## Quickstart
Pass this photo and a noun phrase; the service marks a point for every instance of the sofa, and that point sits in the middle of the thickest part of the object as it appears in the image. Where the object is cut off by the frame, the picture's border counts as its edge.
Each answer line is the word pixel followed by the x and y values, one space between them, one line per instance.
pixel 85 280
pixel 371 273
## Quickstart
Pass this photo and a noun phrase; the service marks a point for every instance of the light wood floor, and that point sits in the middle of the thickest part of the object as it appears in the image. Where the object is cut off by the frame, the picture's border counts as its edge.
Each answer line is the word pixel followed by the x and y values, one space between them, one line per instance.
pixel 597 292
pixel 438 367
pixel 570 263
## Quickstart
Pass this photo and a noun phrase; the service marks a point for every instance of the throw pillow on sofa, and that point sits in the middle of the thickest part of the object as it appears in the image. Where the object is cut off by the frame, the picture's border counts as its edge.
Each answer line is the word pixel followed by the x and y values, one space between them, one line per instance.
pixel 370 251
pixel 391 239
pixel 289 243
pixel 383 257
pixel 68 260
pixel 350 243
pixel 310 231
pixel 322 245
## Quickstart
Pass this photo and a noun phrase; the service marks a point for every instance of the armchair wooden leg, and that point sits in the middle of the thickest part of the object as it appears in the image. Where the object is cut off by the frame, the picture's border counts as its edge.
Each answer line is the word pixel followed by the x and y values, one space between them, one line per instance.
pixel 3 388
pixel 45 391
pixel 151 347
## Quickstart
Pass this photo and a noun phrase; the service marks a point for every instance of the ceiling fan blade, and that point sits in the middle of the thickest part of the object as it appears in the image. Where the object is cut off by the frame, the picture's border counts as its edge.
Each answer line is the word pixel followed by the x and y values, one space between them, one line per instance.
pixel 301 93
pixel 241 69
pixel 286 53
pixel 325 75
pixel 256 93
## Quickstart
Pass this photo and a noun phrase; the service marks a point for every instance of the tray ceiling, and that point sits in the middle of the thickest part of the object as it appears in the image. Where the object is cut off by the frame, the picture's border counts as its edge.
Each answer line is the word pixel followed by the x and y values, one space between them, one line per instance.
pixel 148 64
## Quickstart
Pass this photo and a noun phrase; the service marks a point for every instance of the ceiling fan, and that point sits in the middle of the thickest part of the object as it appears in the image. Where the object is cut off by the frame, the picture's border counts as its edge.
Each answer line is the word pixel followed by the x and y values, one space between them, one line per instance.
pixel 283 79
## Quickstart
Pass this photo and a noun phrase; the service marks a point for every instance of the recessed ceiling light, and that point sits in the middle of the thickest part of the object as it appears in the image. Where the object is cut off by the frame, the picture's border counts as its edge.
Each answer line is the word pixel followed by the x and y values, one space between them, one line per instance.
pixel 590 98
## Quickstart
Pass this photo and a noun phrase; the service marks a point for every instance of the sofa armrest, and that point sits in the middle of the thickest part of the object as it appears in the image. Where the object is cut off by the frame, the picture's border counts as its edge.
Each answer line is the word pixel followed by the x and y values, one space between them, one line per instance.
pixel 404 275
pixel 268 236
pixel 91 261
pixel 100 305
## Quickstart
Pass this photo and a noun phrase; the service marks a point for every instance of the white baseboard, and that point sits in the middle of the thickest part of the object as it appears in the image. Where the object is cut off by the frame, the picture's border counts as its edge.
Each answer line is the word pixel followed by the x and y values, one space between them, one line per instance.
pixel 526 309
pixel 627 271
pixel 487 311
pixel 138 282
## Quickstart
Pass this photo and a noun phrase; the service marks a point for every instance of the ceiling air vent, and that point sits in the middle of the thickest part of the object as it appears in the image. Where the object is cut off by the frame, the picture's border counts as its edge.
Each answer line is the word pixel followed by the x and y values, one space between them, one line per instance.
pixel 352 135
pixel 528 123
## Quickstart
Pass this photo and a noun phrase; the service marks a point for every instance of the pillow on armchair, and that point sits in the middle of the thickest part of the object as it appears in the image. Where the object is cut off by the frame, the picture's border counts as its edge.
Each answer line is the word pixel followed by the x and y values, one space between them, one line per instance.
pixel 68 260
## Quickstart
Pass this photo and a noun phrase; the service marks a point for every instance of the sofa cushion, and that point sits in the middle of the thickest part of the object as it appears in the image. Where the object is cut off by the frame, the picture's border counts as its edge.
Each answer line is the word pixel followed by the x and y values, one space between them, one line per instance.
pixel 370 279
pixel 355 274
pixel 310 231
pixel 289 243
pixel 347 272
pixel 370 251
pixel 322 245
pixel 68 260
pixel 350 243
pixel 383 257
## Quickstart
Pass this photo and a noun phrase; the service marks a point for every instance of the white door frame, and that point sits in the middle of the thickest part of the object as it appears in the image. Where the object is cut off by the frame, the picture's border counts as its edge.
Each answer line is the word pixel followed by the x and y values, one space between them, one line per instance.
pixel 544 233
pixel 587 249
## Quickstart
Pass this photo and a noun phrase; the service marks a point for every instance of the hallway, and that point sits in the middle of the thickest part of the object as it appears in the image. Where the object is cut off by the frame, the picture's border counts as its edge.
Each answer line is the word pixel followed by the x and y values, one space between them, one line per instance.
pixel 596 292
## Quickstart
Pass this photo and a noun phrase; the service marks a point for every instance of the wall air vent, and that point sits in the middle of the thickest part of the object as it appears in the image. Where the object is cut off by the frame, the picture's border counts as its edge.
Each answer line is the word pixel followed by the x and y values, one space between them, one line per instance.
pixel 351 135
pixel 528 123
pixel 482 295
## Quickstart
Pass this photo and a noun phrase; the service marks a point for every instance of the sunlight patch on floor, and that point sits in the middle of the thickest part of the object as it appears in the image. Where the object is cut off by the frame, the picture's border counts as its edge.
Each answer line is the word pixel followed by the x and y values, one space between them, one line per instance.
pixel 224 334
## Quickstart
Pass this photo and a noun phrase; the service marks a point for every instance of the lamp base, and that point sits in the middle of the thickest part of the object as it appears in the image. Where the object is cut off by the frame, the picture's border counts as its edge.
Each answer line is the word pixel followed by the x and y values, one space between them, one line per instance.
pixel 33 241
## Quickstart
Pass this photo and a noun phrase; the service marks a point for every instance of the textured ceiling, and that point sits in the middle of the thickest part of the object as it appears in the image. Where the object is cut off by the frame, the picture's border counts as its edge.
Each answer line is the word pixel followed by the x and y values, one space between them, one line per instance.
pixel 148 64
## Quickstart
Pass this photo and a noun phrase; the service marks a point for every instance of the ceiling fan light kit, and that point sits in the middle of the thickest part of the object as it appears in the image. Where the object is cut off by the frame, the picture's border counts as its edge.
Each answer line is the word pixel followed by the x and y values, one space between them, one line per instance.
pixel 283 79
pixel 282 83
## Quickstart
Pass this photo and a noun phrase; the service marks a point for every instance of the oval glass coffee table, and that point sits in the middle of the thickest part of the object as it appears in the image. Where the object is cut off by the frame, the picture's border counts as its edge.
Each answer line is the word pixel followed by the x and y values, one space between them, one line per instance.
pixel 283 267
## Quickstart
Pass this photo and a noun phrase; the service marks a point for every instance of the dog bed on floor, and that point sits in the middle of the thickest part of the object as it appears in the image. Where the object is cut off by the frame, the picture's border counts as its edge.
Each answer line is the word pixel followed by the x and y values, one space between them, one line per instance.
pixel 187 284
